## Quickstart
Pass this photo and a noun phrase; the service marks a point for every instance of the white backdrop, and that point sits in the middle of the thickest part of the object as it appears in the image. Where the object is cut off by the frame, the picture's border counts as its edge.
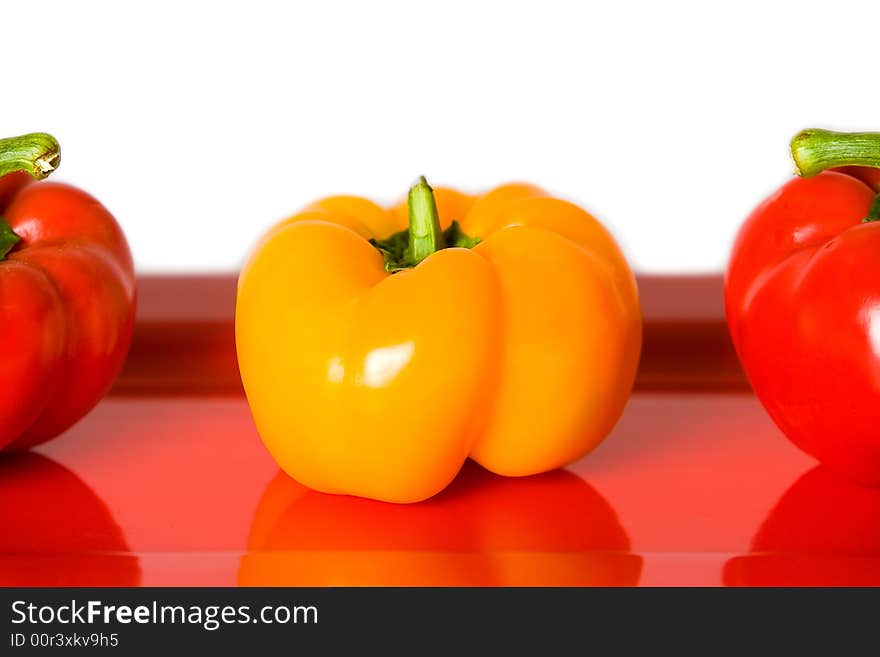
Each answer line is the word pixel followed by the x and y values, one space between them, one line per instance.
pixel 199 125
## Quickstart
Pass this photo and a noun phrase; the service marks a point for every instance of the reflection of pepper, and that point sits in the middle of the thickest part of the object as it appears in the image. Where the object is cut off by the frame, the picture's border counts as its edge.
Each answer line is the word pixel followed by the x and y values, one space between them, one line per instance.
pixel 484 530
pixel 803 303
pixel 67 296
pixel 517 344
pixel 824 531
pixel 56 531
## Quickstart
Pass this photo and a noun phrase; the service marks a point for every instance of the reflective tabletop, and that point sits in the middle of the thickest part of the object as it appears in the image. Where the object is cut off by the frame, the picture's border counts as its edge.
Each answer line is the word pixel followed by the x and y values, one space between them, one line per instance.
pixel 166 483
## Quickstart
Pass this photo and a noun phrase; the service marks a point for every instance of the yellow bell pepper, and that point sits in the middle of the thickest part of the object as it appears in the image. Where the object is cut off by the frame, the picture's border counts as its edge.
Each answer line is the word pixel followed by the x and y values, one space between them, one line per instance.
pixel 377 356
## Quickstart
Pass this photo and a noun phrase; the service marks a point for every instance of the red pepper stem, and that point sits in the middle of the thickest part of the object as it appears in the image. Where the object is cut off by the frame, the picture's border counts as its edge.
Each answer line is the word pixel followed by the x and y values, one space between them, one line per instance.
pixel 37 153
pixel 425 235
pixel 874 212
pixel 816 150
pixel 8 238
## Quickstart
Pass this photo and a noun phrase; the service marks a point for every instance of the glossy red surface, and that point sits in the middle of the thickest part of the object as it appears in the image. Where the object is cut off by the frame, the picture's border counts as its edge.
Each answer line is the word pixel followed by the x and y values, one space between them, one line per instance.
pixel 167 483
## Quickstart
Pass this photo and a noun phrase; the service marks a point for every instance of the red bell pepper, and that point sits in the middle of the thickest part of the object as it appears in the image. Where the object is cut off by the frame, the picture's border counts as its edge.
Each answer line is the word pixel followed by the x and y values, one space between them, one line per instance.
pixel 67 296
pixel 802 295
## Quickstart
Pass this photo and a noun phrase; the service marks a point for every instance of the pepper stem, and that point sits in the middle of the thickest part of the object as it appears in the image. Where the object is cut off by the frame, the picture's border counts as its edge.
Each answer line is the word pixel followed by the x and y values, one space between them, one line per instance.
pixel 874 212
pixel 425 235
pixel 37 153
pixel 408 247
pixel 815 150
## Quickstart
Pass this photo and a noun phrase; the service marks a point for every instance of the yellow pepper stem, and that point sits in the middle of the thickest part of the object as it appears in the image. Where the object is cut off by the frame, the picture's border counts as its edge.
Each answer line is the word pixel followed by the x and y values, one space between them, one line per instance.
pixel 425 235
pixel 407 248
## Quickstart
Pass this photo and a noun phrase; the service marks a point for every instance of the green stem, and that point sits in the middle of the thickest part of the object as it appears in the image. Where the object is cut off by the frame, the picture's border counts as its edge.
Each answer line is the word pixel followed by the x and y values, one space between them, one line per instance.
pixel 874 212
pixel 37 153
pixel 8 238
pixel 408 247
pixel 815 150
pixel 425 235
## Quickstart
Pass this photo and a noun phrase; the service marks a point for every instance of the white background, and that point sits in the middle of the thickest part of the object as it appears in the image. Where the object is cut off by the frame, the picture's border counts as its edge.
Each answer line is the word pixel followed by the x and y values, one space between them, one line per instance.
pixel 200 125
